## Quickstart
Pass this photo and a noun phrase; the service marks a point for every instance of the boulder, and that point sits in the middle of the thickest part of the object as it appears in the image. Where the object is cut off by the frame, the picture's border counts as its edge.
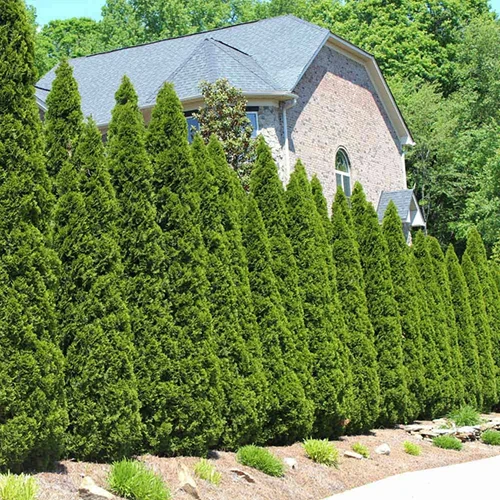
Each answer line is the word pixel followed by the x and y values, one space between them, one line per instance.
pixel 353 454
pixel 88 490
pixel 383 449
pixel 187 482
pixel 291 462
pixel 467 433
pixel 242 474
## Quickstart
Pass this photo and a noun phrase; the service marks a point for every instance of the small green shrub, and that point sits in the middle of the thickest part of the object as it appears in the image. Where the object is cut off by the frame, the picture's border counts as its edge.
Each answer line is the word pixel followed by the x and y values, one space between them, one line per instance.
pixel 20 487
pixel 447 442
pixel 133 480
pixel 260 459
pixel 491 437
pixel 205 470
pixel 465 416
pixel 322 452
pixel 361 449
pixel 412 448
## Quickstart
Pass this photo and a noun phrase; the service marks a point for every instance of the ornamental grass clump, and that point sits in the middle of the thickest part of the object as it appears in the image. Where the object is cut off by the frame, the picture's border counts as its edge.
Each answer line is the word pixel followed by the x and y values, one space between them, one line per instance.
pixel 361 449
pixel 205 470
pixel 447 443
pixel 322 452
pixel 412 448
pixel 260 459
pixel 465 416
pixel 133 480
pixel 13 487
pixel 491 437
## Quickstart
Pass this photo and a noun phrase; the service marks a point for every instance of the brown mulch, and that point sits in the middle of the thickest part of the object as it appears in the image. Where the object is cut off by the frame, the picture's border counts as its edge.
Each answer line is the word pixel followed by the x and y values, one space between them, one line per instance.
pixel 309 481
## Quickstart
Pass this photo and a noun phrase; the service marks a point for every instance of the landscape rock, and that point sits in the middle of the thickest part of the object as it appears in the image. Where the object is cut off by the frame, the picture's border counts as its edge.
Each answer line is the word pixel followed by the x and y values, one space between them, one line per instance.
pixel 88 490
pixel 244 475
pixel 417 427
pixel 383 449
pixel 187 482
pixel 291 462
pixel 467 433
pixel 353 454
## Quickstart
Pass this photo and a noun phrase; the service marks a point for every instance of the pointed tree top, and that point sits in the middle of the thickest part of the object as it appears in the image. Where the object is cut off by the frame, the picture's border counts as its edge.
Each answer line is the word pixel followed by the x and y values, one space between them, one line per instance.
pixel 126 92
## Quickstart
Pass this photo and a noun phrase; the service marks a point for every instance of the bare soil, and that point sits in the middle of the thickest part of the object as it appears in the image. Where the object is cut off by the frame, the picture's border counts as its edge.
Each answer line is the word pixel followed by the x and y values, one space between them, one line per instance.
pixel 309 481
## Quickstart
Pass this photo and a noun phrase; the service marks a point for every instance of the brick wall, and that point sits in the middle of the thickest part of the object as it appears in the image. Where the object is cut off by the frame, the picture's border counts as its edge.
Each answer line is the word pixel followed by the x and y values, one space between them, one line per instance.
pixel 338 107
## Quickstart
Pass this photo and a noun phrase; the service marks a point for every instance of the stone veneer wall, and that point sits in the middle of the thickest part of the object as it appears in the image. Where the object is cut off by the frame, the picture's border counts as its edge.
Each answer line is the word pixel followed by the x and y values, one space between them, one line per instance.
pixel 338 106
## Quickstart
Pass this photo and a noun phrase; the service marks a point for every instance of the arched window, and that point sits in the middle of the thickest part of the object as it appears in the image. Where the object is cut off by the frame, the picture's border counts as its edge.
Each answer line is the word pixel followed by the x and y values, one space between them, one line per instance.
pixel 343 171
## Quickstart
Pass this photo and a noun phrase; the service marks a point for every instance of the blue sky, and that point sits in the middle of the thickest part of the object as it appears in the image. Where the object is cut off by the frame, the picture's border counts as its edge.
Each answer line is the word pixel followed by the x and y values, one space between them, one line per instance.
pixel 63 9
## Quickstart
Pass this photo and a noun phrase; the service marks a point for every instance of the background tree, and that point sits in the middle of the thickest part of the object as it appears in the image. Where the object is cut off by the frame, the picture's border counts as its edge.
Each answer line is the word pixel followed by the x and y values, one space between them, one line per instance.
pixel 267 190
pixel 197 374
pixel 103 400
pixel 360 335
pixel 322 313
pixel 32 398
pixel 382 307
pixel 243 379
pixel 224 115
pixel 63 120
pixel 465 328
pixel 144 263
pixel 407 296
pixel 288 412
pixel 483 334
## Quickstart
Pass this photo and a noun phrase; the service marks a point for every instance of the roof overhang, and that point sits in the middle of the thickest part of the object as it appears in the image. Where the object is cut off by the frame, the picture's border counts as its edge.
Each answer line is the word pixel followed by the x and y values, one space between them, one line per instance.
pixel 378 80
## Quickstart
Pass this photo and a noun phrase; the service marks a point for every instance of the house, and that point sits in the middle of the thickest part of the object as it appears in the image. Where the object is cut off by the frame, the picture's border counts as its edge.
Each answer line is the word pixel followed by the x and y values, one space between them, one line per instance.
pixel 311 94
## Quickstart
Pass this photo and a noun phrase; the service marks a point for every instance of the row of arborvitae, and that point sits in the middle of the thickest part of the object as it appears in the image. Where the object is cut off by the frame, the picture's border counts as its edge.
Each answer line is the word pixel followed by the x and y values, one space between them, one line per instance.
pixel 147 303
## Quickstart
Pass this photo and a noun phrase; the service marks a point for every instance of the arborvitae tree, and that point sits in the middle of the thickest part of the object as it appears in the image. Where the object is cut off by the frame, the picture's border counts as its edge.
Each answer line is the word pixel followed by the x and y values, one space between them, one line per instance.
pixel 332 391
pixel 321 205
pixel 242 377
pixel 440 331
pixel 33 414
pixel 406 293
pixel 63 120
pixel 360 335
pixel 482 333
pixel 103 400
pixel 465 327
pixel 269 194
pixel 495 271
pixel 288 412
pixel 477 253
pixel 195 416
pixel 145 284
pixel 443 281
pixel 383 309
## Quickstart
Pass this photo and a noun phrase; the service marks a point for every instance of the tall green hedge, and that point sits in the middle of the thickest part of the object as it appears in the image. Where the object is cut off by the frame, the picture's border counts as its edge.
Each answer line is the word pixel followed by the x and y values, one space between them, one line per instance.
pixel 360 336
pixel 383 309
pixel 404 280
pixel 33 414
pixel 322 313
pixel 195 416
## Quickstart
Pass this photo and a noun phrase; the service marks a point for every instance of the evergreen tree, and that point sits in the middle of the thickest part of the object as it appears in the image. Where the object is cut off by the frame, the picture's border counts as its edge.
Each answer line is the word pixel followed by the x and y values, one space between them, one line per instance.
pixel 269 194
pixel 465 327
pixel 383 309
pixel 195 416
pixel 439 330
pixel 288 412
pixel 321 206
pixel 102 391
pixel 441 275
pixel 360 335
pixel 406 293
pixel 322 313
pixel 33 412
pixel 242 376
pixel 145 285
pixel 477 253
pixel 483 334
pixel 63 120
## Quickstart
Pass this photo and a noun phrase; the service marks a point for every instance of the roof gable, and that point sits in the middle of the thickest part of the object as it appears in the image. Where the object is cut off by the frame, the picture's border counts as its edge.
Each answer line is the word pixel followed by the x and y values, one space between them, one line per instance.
pixel 406 205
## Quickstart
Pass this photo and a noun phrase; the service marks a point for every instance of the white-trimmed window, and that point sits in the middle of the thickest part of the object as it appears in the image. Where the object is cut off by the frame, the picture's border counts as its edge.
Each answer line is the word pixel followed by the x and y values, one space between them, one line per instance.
pixel 343 171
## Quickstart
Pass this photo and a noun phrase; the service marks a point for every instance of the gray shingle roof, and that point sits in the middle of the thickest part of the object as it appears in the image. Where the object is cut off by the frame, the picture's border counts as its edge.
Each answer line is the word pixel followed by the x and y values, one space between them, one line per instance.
pixel 267 56
pixel 402 200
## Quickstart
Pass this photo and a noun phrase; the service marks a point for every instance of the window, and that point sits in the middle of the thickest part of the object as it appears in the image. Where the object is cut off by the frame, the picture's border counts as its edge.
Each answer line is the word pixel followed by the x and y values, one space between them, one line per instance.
pixel 194 126
pixel 343 171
